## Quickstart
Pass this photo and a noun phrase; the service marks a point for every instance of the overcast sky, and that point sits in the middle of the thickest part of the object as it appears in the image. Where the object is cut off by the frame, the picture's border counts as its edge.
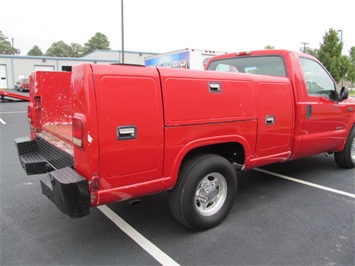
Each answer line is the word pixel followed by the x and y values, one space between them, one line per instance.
pixel 166 25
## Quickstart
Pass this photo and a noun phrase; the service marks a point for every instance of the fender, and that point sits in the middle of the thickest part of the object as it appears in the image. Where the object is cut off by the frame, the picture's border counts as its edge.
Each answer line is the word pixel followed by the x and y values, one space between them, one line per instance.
pixel 173 171
pixel 350 102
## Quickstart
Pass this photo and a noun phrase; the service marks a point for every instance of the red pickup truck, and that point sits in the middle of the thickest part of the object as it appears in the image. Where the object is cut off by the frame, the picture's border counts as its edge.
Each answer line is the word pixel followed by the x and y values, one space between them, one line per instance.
pixel 107 133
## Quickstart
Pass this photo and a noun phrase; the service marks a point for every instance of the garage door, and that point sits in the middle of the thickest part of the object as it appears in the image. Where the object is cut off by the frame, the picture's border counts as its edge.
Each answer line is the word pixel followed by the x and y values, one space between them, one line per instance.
pixel 3 77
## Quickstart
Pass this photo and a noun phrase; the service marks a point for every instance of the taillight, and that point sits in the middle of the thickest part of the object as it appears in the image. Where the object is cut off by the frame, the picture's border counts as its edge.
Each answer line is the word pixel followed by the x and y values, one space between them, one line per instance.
pixel 78 131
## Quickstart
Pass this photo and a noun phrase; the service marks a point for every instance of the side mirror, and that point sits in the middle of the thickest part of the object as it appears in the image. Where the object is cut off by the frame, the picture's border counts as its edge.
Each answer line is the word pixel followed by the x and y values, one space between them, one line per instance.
pixel 343 94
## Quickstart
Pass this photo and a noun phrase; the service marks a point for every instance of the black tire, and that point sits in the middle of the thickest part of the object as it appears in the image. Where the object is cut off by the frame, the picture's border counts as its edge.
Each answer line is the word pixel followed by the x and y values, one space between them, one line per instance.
pixel 205 191
pixel 346 157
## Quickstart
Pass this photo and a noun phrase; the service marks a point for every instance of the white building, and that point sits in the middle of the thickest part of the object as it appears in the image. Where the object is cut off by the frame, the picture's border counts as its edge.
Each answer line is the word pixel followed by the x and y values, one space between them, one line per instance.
pixel 14 67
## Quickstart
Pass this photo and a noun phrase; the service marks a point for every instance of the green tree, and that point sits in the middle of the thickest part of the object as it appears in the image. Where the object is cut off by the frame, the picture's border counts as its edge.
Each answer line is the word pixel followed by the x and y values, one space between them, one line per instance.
pixel 98 42
pixel 344 66
pixel 313 52
pixel 269 47
pixel 6 47
pixel 351 70
pixel 59 49
pixel 35 51
pixel 76 50
pixel 330 54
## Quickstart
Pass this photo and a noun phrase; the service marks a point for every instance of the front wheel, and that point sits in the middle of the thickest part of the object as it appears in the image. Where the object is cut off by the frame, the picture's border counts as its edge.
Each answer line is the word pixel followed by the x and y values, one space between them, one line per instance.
pixel 346 157
pixel 205 191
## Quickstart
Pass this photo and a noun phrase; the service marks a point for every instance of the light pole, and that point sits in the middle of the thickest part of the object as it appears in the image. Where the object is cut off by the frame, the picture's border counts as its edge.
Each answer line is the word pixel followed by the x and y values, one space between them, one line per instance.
pixel 341 35
pixel 122 31
pixel 304 46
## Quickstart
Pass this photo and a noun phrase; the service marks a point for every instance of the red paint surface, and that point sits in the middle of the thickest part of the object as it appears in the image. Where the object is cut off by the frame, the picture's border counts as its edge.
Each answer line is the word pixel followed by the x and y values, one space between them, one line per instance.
pixel 174 113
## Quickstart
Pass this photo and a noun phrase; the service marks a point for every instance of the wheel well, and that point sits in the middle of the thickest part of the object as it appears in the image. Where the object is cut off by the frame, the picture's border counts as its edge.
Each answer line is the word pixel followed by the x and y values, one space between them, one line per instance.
pixel 233 152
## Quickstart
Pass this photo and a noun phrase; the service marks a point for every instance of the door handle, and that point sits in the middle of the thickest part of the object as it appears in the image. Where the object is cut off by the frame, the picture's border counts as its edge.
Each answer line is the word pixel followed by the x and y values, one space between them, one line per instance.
pixel 270 120
pixel 309 111
pixel 126 132
pixel 215 87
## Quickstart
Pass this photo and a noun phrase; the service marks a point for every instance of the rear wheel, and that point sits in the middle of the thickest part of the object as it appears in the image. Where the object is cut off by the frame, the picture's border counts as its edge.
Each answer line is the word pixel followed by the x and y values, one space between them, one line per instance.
pixel 346 157
pixel 205 191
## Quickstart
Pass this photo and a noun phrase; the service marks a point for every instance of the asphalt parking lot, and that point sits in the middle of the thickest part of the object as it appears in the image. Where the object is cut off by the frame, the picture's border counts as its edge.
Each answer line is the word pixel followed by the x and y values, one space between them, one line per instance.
pixel 296 213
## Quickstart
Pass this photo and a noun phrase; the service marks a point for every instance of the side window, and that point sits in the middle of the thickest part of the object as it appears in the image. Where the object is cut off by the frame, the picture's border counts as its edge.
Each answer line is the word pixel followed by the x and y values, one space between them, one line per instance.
pixel 226 68
pixel 318 82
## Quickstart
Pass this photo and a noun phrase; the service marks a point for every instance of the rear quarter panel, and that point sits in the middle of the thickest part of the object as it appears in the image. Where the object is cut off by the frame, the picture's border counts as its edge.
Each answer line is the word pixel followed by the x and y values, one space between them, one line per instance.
pixel 130 97
pixel 86 159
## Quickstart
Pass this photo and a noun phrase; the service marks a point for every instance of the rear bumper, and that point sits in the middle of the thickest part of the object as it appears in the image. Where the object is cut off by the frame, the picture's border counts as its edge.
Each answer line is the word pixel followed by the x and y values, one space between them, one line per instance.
pixel 66 188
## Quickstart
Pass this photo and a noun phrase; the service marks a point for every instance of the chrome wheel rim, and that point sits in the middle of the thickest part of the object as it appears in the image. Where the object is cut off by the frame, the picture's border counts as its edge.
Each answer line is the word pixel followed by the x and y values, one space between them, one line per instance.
pixel 211 194
pixel 352 150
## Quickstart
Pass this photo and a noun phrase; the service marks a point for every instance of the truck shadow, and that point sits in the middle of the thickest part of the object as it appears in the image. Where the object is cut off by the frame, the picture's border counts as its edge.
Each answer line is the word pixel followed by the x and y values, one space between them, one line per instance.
pixel 152 213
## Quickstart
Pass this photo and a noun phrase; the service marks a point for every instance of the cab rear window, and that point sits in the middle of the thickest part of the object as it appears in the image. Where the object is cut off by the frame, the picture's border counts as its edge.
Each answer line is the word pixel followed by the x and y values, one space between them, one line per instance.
pixel 260 65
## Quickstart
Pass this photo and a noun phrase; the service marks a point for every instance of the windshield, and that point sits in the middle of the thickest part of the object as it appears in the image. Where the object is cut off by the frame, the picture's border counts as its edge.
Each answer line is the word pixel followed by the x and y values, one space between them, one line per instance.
pixel 260 65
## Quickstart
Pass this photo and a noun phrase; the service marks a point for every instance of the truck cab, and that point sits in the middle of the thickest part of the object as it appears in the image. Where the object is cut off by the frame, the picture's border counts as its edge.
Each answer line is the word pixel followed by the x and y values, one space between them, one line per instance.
pixel 316 114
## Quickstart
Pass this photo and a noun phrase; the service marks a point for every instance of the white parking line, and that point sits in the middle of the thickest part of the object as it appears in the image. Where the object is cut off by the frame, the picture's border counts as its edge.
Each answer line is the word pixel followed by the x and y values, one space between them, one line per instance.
pixel 14 112
pixel 148 246
pixel 307 183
